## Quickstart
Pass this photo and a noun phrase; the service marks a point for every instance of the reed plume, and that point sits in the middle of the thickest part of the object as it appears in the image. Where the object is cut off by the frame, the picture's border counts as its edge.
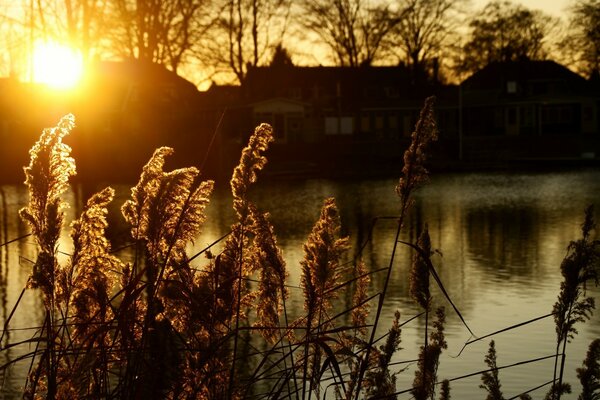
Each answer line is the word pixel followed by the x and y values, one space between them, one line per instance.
pixel 92 266
pixel 47 178
pixel 251 162
pixel 236 258
pixel 426 373
pixel 166 213
pixel 445 390
pixel 321 264
pixel 490 379
pixel 360 307
pixel 589 373
pixel 271 287
pixel 380 382
pixel 419 273
pixel 86 286
pixel 321 274
pixel 414 172
pixel 580 266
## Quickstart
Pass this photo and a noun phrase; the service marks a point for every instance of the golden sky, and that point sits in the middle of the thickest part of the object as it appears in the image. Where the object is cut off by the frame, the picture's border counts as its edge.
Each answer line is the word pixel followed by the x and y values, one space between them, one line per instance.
pixel 553 7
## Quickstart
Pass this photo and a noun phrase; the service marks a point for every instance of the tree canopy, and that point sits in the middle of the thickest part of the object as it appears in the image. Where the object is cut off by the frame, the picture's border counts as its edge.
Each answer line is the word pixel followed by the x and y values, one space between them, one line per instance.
pixel 225 37
pixel 582 42
pixel 504 31
pixel 423 34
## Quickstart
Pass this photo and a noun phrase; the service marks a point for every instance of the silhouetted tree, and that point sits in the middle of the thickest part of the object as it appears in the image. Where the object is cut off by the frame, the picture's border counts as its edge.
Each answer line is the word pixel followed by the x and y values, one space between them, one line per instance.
pixel 504 31
pixel 248 31
pixel 582 43
pixel 355 32
pixel 423 32
pixel 162 31
pixel 281 57
pixel 77 22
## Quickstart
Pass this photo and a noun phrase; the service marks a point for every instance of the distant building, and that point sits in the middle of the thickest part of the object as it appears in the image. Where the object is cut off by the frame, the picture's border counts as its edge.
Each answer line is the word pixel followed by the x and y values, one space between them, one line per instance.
pixel 530 109
pixel 529 98
pixel 368 113
pixel 326 119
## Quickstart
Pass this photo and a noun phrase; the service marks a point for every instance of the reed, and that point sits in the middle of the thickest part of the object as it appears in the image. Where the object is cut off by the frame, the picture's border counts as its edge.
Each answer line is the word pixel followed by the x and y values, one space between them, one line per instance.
pixel 589 373
pixel 580 267
pixel 160 327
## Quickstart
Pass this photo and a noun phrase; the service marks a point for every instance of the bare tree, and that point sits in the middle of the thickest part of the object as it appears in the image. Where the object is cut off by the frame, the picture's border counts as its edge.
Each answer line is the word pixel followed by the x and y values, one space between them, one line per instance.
pixel 14 41
pixel 504 31
pixel 162 31
pixel 422 35
pixel 80 23
pixel 355 32
pixel 581 47
pixel 247 34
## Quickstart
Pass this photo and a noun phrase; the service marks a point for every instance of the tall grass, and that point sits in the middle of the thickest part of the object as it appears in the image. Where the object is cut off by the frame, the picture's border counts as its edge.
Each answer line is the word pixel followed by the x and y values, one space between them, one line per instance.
pixel 158 327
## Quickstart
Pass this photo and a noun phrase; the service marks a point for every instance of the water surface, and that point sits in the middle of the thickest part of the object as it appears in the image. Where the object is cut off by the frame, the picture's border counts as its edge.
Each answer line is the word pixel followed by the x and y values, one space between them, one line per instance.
pixel 501 238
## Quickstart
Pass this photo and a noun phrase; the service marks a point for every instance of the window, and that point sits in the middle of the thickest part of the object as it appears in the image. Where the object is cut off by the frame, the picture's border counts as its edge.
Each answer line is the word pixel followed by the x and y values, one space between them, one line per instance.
pixel 339 126
pixel 393 122
pixel 379 122
pixel 511 87
pixel 331 126
pixel 365 123
pixel 347 125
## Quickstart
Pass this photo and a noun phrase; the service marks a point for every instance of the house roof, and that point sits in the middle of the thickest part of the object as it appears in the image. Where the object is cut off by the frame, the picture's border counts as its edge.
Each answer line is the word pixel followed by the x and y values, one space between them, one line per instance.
pixel 346 86
pixel 496 75
pixel 137 71
pixel 219 96
pixel 115 84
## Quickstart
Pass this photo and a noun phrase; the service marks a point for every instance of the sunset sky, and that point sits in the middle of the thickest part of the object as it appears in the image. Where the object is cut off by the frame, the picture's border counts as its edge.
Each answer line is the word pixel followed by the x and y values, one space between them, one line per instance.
pixel 554 7
pixel 14 15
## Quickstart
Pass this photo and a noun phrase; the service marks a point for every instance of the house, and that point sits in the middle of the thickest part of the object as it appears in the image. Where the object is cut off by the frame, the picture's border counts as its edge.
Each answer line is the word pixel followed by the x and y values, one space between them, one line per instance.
pixel 319 104
pixel 326 118
pixel 529 98
pixel 530 109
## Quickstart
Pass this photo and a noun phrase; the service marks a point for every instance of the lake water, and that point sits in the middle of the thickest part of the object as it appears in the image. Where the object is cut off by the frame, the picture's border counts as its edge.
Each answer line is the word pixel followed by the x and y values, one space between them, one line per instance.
pixel 502 237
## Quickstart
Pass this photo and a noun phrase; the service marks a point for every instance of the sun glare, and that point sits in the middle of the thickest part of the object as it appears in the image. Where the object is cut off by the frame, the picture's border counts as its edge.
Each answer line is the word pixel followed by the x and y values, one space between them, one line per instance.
pixel 56 65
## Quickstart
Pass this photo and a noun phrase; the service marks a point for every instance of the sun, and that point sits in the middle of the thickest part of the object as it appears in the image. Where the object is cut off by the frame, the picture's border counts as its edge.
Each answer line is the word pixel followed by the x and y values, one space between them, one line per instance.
pixel 56 65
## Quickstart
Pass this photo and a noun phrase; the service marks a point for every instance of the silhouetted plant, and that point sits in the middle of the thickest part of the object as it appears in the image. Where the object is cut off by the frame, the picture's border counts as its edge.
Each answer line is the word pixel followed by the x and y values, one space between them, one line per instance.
pixel 426 373
pixel 159 328
pixel 321 275
pixel 445 390
pixel 380 382
pixel 589 373
pixel 47 177
pixel 414 174
pixel 490 379
pixel 580 266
